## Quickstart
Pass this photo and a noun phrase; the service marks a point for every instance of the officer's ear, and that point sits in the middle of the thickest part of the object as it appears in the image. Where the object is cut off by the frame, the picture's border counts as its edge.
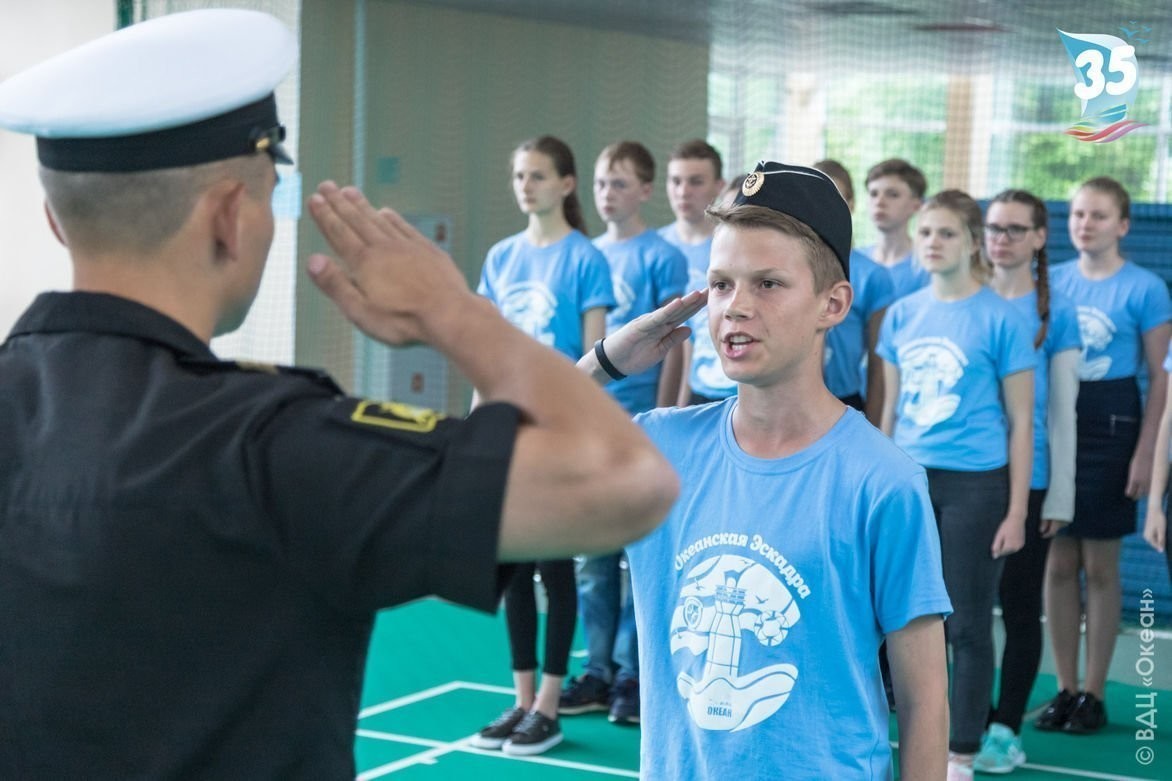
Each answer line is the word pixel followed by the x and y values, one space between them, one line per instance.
pixel 223 200
pixel 53 226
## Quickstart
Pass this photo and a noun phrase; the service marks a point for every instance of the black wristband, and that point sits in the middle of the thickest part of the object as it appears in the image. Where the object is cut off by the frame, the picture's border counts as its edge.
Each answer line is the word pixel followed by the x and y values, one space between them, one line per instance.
pixel 605 363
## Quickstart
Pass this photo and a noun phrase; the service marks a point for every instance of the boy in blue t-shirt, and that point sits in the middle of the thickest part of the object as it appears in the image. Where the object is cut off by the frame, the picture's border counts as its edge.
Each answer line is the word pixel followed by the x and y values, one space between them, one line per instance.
pixel 646 273
pixel 802 536
pixel 895 191
pixel 693 184
pixel 853 373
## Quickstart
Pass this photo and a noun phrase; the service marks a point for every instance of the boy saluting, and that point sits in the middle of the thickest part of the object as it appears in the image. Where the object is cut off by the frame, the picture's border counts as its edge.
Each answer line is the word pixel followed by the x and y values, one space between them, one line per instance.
pixel 802 536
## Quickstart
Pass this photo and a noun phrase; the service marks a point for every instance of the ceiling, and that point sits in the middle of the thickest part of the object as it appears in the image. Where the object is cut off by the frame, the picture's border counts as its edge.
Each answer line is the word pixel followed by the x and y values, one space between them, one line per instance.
pixel 833 36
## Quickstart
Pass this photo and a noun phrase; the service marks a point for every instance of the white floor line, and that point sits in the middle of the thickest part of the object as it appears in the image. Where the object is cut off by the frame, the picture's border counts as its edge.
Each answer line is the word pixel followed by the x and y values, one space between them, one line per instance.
pixel 436 749
pixel 439 748
pixel 425 758
pixel 434 691
pixel 408 699
pixel 485 687
pixel 427 693
pixel 1066 771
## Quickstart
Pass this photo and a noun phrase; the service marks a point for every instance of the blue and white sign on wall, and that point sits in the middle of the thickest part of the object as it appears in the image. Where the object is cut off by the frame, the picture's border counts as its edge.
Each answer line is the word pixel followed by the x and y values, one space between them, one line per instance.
pixel 1107 82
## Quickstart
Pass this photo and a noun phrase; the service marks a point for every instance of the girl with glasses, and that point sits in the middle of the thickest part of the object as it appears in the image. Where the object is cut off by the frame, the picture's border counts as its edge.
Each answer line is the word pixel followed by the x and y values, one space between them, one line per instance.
pixel 1015 241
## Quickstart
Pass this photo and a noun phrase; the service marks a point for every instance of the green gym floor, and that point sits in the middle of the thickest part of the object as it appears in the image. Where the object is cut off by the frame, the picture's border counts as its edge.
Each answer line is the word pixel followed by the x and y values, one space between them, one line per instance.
pixel 438 673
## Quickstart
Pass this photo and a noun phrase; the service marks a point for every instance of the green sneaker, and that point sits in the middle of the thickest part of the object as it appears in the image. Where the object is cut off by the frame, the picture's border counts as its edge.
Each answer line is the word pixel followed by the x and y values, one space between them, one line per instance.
pixel 1000 752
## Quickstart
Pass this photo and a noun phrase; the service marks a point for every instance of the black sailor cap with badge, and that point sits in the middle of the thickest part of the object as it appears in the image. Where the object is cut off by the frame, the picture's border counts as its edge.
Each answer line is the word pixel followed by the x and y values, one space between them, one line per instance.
pixel 175 91
pixel 807 195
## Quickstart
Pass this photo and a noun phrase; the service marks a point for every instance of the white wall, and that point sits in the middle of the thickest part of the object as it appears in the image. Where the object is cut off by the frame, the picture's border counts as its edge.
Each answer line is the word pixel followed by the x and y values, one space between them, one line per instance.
pixel 31 260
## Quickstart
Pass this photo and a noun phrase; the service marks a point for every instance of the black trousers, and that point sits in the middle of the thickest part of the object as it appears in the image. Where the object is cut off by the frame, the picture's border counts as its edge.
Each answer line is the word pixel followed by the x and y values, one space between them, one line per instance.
pixel 561 592
pixel 1020 594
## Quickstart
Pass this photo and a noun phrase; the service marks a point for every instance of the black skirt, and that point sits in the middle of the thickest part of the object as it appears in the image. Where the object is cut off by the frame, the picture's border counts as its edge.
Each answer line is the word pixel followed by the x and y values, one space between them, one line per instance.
pixel 1109 416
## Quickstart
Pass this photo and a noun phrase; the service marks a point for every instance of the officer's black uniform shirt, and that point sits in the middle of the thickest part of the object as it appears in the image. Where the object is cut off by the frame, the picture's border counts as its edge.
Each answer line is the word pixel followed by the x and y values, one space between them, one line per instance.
pixel 191 552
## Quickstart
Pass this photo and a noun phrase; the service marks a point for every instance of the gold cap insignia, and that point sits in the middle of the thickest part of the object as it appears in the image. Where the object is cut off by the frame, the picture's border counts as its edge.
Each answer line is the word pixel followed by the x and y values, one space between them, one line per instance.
pixel 752 185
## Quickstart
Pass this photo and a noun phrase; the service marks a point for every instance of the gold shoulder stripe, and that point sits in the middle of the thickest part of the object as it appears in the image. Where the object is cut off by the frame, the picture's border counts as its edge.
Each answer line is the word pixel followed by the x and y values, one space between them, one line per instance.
pixel 391 414
pixel 255 366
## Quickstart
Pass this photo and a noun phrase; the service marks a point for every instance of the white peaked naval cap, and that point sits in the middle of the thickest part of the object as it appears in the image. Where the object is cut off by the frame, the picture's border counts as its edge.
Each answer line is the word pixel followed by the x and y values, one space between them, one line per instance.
pixel 178 90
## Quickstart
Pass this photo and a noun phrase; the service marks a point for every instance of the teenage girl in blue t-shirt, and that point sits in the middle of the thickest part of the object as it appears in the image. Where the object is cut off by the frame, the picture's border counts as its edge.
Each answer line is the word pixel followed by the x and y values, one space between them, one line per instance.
pixel 1123 313
pixel 952 353
pixel 552 282
pixel 1015 241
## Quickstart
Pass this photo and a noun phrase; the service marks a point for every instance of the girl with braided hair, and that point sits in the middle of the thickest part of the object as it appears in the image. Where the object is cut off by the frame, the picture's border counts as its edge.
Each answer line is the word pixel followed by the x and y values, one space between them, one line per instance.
pixel 1015 241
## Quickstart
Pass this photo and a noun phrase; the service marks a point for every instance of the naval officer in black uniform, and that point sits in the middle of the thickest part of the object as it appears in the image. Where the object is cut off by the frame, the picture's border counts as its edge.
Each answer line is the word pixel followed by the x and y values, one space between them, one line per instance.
pixel 192 550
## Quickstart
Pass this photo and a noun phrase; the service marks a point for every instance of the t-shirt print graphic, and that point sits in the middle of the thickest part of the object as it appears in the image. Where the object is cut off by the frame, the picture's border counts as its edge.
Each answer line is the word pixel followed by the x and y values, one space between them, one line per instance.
pixel 531 307
pixel 1097 330
pixel 929 369
pixel 724 602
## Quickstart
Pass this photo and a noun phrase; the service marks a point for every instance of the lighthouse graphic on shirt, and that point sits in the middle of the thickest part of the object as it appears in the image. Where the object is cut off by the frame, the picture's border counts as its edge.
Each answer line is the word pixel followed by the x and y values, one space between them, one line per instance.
pixel 531 306
pixel 725 603
pixel 929 369
pixel 1097 330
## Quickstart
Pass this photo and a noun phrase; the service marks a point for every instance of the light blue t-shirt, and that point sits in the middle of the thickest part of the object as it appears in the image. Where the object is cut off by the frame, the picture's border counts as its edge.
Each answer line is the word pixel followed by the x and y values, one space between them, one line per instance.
pixel 1062 334
pixel 952 357
pixel 705 377
pixel 907 276
pixel 545 290
pixel 646 272
pixel 1168 359
pixel 846 343
pixel 1113 315
pixel 762 599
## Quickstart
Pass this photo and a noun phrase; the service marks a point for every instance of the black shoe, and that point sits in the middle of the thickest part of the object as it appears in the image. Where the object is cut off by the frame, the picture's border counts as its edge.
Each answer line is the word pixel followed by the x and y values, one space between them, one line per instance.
pixel 536 734
pixel 1088 715
pixel 625 707
pixel 1057 712
pixel 585 694
pixel 498 731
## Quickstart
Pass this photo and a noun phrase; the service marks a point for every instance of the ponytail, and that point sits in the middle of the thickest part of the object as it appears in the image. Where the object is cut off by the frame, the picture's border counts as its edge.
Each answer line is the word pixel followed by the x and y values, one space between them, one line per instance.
pixel 563 162
pixel 572 209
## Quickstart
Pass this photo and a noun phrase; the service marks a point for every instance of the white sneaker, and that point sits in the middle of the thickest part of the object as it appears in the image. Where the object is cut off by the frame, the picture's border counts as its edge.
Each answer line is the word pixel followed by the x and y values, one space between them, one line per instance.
pixel 959 771
pixel 1001 751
